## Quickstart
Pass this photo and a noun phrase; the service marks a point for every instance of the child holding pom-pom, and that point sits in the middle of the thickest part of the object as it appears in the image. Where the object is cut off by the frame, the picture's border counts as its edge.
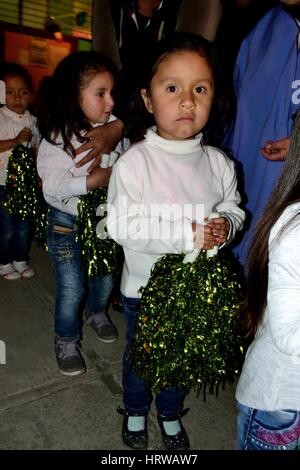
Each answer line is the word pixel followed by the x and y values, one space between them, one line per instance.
pixel 18 141
pixel 160 194
pixel 79 98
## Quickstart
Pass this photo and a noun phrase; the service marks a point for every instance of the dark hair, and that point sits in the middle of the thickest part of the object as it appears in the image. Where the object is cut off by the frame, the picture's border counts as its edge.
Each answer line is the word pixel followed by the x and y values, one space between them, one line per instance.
pixel 286 192
pixel 15 70
pixel 60 97
pixel 139 119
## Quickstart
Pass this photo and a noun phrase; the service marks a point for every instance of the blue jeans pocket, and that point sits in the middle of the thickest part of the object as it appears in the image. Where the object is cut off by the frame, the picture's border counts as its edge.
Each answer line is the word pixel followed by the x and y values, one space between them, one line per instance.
pixel 269 430
pixel 62 228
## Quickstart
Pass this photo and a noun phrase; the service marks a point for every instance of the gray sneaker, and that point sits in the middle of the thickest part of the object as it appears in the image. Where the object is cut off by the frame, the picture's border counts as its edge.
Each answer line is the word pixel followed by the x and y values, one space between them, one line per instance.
pixel 105 330
pixel 69 359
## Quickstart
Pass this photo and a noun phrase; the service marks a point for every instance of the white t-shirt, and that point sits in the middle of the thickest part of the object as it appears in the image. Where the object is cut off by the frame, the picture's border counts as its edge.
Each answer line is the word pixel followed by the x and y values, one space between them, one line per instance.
pixel 11 124
pixel 157 175
pixel 270 379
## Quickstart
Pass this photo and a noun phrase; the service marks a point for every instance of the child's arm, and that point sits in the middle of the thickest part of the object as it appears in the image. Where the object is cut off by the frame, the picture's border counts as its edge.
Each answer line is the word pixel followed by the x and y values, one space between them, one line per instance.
pixel 98 177
pixel 55 169
pixel 24 135
pixel 229 208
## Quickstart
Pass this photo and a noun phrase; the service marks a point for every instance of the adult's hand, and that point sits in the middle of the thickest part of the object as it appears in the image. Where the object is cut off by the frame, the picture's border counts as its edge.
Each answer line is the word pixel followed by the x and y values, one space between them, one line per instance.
pixel 102 139
pixel 276 150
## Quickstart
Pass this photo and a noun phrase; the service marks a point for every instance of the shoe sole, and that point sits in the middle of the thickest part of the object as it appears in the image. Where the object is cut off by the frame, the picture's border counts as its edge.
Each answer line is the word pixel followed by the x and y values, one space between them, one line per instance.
pixel 11 278
pixel 135 448
pixel 164 436
pixel 172 449
pixel 73 374
pixel 112 340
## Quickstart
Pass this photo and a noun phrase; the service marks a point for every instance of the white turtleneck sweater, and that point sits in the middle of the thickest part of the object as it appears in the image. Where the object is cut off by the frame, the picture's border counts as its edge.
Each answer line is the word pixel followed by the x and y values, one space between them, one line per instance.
pixel 157 188
pixel 11 124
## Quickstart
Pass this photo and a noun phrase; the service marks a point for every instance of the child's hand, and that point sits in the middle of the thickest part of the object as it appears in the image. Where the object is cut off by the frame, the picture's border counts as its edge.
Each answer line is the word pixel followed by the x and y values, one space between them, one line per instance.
pixel 203 237
pixel 25 135
pixel 220 229
pixel 98 177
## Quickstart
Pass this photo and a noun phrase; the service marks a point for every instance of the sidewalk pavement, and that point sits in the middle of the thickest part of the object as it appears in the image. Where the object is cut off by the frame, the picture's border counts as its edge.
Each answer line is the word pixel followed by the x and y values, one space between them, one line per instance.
pixel 42 409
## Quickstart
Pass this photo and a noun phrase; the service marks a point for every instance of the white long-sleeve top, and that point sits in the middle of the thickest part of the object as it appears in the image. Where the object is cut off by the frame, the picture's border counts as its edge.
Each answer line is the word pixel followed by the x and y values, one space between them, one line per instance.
pixel 157 188
pixel 62 181
pixel 270 378
pixel 11 125
pixel 61 185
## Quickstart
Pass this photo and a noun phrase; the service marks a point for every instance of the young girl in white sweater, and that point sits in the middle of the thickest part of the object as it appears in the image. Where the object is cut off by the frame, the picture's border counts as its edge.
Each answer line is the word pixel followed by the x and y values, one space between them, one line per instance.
pixel 160 193
pixel 268 391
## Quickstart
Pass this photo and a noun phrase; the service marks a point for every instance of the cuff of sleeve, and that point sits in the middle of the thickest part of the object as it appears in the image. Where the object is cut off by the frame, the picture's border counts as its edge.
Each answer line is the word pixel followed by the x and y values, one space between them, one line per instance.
pixel 231 233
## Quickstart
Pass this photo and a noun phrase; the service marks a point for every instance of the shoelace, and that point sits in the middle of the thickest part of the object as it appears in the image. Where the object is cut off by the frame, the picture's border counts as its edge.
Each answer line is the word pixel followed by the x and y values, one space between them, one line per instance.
pixel 67 349
pixel 99 320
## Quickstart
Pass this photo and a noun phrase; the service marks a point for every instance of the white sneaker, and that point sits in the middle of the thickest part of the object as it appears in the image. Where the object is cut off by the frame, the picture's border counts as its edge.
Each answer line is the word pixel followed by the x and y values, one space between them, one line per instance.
pixel 23 268
pixel 8 272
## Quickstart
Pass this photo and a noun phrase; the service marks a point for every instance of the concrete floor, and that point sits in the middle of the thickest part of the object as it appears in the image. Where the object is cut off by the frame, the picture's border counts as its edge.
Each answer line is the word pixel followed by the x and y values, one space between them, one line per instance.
pixel 42 409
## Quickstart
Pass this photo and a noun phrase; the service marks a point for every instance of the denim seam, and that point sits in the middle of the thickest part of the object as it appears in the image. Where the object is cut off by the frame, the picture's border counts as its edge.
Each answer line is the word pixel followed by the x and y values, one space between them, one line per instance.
pixel 247 433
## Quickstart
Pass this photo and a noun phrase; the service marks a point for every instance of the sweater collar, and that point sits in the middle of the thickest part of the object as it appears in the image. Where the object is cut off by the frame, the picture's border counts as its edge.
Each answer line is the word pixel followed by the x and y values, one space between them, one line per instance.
pixel 174 146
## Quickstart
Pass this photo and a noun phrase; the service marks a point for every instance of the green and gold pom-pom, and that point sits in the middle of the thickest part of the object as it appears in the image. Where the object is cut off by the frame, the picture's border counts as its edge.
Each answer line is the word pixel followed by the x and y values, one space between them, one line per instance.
pixel 186 326
pixel 101 256
pixel 21 183
pixel 23 192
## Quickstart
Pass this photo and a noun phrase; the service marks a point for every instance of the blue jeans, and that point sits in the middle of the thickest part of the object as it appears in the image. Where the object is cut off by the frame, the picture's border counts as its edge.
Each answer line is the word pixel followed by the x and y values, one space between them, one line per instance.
pixel 15 235
pixel 137 393
pixel 267 430
pixel 71 280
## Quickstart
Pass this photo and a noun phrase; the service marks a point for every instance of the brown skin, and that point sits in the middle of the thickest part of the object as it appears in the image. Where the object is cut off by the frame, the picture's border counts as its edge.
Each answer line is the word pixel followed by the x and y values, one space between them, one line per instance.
pixel 276 150
pixel 18 99
pixel 24 135
pixel 98 177
pixel 213 234
pixel 147 7
pixel 103 139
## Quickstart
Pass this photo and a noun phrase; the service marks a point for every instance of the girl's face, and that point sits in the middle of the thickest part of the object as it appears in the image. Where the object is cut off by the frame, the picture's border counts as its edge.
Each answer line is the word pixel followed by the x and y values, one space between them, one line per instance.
pixel 96 99
pixel 18 95
pixel 181 95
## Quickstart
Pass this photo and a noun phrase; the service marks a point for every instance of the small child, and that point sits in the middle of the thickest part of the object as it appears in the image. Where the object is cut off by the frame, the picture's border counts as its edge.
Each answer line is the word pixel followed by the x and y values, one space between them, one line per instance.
pixel 170 168
pixel 80 97
pixel 17 127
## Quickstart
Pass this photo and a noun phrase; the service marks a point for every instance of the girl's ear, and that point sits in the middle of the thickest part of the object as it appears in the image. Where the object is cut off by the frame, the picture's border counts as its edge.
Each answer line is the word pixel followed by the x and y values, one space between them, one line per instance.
pixel 147 100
